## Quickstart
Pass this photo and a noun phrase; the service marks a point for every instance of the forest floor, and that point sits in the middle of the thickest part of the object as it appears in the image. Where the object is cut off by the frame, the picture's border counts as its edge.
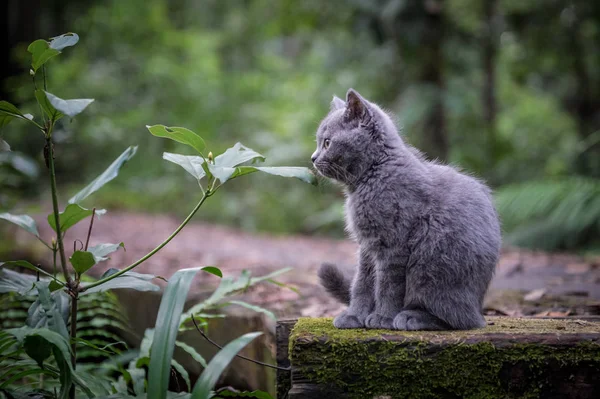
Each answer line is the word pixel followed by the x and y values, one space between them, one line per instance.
pixel 526 282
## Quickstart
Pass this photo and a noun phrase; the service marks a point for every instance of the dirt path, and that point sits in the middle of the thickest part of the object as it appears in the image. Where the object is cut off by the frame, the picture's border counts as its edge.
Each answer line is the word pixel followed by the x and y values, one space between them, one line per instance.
pixel 544 277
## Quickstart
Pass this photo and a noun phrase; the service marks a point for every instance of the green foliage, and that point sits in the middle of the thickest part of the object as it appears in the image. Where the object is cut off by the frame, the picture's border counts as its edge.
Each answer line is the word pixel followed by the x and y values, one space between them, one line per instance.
pixel 167 323
pixel 563 214
pixel 44 345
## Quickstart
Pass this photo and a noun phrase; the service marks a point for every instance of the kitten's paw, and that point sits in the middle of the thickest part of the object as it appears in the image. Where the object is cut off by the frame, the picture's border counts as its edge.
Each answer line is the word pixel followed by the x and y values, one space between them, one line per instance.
pixel 376 320
pixel 414 320
pixel 345 320
pixel 400 321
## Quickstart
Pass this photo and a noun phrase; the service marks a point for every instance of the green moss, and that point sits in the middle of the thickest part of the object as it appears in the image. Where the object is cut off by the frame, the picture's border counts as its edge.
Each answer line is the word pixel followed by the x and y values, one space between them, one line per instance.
pixel 365 363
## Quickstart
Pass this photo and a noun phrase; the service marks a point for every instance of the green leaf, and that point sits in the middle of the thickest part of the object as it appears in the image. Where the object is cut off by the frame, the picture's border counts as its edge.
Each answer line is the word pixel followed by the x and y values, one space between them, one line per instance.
pixel 211 374
pixel 255 308
pixel 213 270
pixel 37 348
pixel 49 310
pixel 82 261
pixel 4 146
pixel 48 109
pixel 237 155
pixel 183 372
pixel 69 107
pixel 132 280
pixel 167 323
pixel 40 53
pixel 192 352
pixel 23 221
pixel 228 173
pixel 72 215
pixel 194 165
pixel 297 172
pixel 179 134
pixel 50 336
pixel 26 265
pixel 109 272
pixel 9 111
pixel 110 173
pixel 101 251
pixel 11 281
pixel 64 40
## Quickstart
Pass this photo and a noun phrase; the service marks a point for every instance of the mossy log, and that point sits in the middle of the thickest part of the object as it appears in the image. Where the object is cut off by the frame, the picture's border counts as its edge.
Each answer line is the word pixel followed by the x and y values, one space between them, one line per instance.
pixel 510 358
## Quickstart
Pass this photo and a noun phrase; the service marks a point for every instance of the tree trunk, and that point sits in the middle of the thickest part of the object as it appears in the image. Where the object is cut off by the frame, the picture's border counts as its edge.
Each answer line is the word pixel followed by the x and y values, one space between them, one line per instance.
pixel 434 126
pixel 489 65
pixel 584 106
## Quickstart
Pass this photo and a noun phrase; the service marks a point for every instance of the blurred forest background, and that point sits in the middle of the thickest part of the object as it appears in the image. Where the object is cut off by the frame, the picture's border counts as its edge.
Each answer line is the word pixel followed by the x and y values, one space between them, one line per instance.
pixel 506 89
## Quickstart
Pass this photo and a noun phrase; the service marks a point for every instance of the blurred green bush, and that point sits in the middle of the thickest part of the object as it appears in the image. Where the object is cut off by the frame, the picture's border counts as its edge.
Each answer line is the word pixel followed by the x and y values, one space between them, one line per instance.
pixel 263 73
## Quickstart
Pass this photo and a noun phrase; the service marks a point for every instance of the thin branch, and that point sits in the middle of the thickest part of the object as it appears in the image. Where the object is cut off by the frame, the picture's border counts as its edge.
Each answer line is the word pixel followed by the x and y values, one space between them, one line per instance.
pixel 240 356
pixel 44 73
pixel 87 241
pixel 151 253
pixel 59 239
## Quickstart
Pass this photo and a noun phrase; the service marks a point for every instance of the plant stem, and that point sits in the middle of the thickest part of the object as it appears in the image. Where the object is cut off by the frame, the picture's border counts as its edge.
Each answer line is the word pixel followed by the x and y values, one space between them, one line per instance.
pixel 155 250
pixel 87 241
pixel 59 238
pixel 73 334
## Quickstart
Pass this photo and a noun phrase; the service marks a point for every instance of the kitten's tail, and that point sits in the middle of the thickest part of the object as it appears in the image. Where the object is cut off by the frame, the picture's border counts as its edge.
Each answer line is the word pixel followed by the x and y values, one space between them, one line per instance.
pixel 335 282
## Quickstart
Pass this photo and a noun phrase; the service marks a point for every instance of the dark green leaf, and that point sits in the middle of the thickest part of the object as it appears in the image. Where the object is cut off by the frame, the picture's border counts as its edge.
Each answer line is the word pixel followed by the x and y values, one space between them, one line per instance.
pixel 179 134
pixel 194 165
pixel 213 270
pixel 72 215
pixel 37 348
pixel 52 337
pixel 110 173
pixel 9 111
pixel 55 285
pixel 132 280
pixel 82 261
pixel 23 221
pixel 211 374
pixel 40 53
pixel 69 107
pixel 64 40
pixel 101 251
pixel 167 323
pixel 48 109
pixel 237 155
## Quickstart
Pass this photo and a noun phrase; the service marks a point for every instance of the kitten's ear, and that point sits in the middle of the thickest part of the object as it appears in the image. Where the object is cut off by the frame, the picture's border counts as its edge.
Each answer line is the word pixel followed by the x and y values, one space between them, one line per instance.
pixel 337 103
pixel 357 107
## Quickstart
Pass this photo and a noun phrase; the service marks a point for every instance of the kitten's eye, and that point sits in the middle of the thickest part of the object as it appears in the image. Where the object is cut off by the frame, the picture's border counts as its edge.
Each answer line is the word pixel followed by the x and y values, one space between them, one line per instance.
pixel 326 143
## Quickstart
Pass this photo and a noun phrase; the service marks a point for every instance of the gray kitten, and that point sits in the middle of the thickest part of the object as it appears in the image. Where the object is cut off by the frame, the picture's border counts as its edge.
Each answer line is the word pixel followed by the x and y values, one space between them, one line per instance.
pixel 429 236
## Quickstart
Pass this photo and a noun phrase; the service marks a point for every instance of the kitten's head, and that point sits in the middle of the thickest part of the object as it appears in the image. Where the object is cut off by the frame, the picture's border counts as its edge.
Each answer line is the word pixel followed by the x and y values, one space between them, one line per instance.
pixel 354 136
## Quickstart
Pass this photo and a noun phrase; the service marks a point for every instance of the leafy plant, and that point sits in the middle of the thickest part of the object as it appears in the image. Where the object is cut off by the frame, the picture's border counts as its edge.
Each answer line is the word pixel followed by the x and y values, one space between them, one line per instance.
pixel 47 345
pixel 552 214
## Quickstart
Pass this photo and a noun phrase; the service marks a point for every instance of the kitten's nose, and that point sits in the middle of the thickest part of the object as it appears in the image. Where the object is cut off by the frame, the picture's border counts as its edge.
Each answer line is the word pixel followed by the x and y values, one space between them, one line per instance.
pixel 313 157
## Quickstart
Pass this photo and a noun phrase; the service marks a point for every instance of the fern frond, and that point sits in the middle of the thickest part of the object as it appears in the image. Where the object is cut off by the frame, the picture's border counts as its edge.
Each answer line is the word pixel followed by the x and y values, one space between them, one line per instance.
pixel 552 214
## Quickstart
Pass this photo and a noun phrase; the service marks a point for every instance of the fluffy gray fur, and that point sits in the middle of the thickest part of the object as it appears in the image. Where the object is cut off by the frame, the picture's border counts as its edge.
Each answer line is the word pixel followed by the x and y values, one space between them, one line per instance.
pixel 429 236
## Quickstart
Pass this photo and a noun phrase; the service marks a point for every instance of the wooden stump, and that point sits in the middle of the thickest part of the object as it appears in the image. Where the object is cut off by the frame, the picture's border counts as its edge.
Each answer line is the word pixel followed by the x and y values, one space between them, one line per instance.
pixel 510 358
